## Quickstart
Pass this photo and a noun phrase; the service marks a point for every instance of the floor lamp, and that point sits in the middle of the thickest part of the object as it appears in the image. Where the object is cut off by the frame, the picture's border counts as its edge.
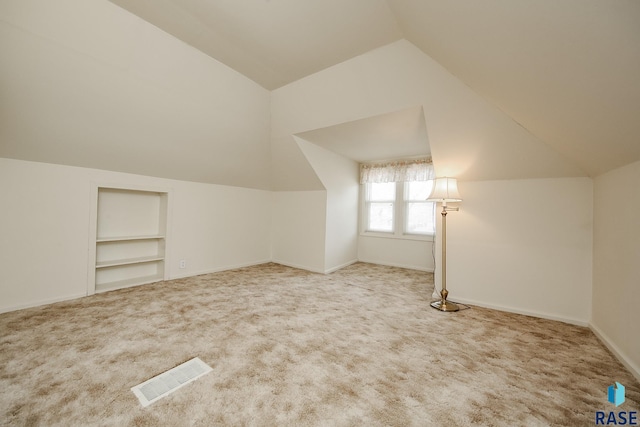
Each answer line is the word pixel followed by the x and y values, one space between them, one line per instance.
pixel 445 190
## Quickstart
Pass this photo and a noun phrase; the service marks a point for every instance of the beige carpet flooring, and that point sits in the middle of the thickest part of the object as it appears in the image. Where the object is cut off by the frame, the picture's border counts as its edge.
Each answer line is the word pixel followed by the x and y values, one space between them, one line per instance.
pixel 360 346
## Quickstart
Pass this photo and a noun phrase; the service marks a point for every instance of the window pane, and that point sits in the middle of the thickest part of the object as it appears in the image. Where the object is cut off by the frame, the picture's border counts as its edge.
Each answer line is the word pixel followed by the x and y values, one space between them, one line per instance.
pixel 418 190
pixel 420 218
pixel 381 191
pixel 380 217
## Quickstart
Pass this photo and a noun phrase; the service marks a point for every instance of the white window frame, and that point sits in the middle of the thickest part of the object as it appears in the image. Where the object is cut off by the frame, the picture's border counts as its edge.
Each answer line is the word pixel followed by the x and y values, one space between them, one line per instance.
pixel 399 217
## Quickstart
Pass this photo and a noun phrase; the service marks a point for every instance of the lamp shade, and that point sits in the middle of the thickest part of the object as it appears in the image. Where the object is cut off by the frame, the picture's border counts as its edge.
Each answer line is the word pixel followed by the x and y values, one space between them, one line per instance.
pixel 445 190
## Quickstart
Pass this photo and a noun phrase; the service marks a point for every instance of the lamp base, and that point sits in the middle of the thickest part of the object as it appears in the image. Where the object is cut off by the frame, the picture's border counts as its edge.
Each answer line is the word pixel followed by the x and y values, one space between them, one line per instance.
pixel 444 305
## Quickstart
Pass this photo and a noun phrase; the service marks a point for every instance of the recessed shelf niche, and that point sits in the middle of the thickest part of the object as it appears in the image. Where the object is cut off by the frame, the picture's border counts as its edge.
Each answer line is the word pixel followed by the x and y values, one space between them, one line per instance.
pixel 130 240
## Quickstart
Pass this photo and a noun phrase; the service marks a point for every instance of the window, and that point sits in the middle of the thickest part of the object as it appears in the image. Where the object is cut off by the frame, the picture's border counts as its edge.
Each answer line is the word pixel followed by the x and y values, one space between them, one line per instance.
pixel 380 202
pixel 419 214
pixel 398 208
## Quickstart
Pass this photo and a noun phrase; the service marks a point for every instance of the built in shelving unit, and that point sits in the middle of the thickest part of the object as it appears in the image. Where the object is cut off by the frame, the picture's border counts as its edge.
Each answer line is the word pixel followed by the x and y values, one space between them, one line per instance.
pixel 130 240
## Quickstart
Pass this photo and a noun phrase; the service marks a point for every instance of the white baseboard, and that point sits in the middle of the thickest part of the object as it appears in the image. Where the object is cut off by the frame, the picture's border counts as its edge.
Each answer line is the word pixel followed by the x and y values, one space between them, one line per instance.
pixel 346 264
pixel 218 269
pixel 298 266
pixel 41 302
pixel 622 357
pixel 541 315
pixel 391 264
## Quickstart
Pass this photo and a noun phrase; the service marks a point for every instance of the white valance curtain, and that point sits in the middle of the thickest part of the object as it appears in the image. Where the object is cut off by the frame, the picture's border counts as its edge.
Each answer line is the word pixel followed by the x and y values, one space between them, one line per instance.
pixel 400 171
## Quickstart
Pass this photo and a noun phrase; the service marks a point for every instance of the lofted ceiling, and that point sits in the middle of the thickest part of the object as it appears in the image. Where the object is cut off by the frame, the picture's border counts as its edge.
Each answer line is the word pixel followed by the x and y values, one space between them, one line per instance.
pixel 274 42
pixel 567 71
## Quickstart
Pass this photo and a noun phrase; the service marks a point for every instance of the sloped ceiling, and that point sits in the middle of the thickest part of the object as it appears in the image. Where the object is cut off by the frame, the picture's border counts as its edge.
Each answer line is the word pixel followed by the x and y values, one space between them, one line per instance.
pixel 88 83
pixel 565 70
pixel 274 42
pixel 568 70
pixel 468 137
pixel 400 134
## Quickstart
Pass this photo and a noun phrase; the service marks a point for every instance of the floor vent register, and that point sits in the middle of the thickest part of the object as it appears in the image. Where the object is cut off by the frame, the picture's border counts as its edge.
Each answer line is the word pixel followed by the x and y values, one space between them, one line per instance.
pixel 166 383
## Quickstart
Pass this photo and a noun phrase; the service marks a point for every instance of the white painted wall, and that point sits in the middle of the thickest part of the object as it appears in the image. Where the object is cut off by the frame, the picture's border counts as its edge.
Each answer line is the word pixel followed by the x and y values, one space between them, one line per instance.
pixel 616 259
pixel 341 243
pixel 339 175
pixel 527 257
pixel 523 246
pixel 299 229
pixel 44 228
pixel 218 227
pixel 405 253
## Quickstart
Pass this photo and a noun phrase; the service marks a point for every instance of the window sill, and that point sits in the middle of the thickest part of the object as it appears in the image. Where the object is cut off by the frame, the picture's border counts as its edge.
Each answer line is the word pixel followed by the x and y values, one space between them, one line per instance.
pixel 382 235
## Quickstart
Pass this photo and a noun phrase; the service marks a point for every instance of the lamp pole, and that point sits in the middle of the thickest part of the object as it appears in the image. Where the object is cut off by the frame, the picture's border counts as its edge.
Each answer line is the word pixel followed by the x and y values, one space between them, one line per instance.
pixel 445 190
pixel 443 304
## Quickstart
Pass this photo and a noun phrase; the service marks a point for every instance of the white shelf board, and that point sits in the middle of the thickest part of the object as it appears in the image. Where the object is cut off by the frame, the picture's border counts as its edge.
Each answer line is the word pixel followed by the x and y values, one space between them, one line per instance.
pixel 125 238
pixel 129 261
pixel 128 283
